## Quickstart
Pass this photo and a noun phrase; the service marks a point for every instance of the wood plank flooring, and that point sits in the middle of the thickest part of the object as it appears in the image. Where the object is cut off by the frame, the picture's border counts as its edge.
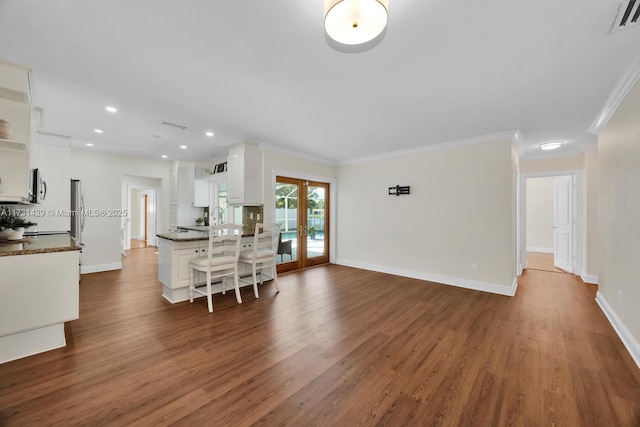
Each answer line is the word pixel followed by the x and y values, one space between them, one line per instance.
pixel 542 261
pixel 336 347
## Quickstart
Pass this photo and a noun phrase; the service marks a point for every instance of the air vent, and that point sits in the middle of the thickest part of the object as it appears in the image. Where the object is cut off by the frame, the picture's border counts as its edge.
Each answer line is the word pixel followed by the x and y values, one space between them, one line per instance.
pixel 628 15
pixel 179 126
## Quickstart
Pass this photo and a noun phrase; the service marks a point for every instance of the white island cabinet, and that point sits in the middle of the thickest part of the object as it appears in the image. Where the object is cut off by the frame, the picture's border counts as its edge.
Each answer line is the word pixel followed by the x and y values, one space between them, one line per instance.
pixel 175 250
pixel 38 294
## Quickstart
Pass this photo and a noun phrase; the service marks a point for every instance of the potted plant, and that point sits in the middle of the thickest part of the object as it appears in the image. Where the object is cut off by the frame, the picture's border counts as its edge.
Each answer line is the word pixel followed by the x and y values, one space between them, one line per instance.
pixel 312 232
pixel 11 225
pixel 199 221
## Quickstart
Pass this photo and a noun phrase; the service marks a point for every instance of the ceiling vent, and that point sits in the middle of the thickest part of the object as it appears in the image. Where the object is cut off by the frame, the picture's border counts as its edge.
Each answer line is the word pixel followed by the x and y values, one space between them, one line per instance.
pixel 179 126
pixel 628 15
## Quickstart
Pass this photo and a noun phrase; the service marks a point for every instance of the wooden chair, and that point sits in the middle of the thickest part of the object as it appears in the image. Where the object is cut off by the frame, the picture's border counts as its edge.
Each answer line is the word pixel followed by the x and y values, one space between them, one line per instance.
pixel 262 254
pixel 221 261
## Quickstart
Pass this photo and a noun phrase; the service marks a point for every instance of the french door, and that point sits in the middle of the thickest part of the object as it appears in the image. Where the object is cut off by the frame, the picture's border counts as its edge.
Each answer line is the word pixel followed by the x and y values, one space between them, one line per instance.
pixel 302 210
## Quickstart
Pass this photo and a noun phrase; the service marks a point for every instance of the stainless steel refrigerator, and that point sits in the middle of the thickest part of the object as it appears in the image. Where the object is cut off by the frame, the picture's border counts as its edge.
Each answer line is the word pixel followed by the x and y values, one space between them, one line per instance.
pixel 77 211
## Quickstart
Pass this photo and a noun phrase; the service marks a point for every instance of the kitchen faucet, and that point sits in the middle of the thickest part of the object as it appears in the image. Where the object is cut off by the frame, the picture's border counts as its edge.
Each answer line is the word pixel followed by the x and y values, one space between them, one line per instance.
pixel 217 219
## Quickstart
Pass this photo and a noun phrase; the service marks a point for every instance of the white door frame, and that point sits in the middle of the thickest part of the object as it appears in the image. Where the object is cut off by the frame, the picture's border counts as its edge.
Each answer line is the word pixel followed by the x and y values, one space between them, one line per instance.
pixel 577 213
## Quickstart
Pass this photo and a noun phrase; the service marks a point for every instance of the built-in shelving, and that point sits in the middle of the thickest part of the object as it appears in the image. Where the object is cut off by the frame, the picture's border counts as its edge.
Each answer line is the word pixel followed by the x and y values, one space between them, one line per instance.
pixel 7 144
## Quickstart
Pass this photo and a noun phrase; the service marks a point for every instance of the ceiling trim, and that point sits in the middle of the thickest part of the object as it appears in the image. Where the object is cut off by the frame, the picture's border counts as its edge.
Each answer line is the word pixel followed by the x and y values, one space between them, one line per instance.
pixel 616 97
pixel 512 135
pixel 299 154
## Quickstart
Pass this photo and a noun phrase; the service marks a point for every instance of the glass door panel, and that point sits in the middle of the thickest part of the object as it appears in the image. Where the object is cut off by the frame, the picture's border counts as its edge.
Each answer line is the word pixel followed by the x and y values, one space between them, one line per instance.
pixel 287 192
pixel 301 211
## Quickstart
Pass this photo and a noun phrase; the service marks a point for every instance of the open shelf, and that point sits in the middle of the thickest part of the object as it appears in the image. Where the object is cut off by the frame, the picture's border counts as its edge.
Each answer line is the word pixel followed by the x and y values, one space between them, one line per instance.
pixel 7 144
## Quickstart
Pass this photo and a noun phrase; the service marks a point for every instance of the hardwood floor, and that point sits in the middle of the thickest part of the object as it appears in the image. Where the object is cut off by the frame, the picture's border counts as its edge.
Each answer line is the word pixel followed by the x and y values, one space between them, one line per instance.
pixel 337 347
pixel 542 261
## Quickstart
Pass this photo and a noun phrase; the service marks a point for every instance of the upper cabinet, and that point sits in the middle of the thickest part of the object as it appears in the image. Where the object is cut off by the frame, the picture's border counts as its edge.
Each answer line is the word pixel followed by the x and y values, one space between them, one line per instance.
pixel 15 130
pixel 245 174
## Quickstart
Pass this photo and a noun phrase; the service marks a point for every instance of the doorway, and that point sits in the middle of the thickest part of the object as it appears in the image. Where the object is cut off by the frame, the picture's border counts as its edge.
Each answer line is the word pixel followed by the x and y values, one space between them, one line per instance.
pixel 302 209
pixel 551 232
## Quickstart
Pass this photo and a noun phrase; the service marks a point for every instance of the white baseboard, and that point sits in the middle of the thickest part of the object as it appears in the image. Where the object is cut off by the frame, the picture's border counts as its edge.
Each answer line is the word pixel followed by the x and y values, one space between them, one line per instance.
pixel 589 278
pixel 627 339
pixel 543 250
pixel 445 280
pixel 84 269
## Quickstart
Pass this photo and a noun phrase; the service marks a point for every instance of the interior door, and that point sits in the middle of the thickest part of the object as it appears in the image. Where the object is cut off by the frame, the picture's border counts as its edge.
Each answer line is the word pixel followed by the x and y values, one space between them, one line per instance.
pixel 151 218
pixel 302 209
pixel 563 223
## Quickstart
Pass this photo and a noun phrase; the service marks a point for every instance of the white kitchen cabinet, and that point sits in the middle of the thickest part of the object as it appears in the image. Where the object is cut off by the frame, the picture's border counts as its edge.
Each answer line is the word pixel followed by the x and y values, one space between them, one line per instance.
pixel 182 212
pixel 36 301
pixel 14 152
pixel 185 185
pixel 201 192
pixel 245 174
pixel 15 83
pixel 173 265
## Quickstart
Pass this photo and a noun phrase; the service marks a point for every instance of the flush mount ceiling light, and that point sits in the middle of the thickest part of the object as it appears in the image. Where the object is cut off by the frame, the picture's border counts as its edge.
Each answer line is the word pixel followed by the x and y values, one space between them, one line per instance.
pixel 98 131
pixel 355 22
pixel 209 134
pixel 111 109
pixel 551 145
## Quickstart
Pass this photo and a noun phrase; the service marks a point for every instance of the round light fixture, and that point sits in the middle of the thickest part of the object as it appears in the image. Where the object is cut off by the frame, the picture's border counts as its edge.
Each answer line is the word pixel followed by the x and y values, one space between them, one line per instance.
pixel 98 131
pixel 209 134
pixel 353 22
pixel 88 144
pixel 111 109
pixel 184 147
pixel 164 156
pixel 550 145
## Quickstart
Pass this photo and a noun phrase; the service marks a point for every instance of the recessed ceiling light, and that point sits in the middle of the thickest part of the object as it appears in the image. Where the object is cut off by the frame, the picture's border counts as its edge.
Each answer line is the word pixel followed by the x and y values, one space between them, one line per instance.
pixel 111 109
pixel 184 147
pixel 98 131
pixel 88 144
pixel 164 156
pixel 209 134
pixel 551 145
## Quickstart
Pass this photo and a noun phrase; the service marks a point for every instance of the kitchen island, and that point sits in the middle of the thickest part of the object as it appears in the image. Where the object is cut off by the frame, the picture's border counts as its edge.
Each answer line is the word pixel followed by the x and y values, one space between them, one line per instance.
pixel 175 250
pixel 38 293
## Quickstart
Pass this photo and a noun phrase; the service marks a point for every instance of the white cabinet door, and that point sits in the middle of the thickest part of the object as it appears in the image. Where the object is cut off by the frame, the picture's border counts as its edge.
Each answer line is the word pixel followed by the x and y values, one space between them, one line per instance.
pixel 201 192
pixel 14 154
pixel 185 185
pixel 245 174
pixel 181 258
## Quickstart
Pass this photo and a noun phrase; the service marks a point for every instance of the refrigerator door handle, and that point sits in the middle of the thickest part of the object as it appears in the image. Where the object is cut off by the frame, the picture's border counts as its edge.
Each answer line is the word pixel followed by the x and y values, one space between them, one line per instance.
pixel 81 213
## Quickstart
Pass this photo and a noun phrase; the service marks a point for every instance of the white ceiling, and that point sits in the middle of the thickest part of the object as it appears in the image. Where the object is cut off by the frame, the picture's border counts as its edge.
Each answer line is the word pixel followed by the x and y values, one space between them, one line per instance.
pixel 262 71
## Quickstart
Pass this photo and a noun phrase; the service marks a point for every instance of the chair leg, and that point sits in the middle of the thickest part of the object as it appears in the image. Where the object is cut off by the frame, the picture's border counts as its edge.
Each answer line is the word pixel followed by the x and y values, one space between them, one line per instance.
pixel 255 281
pixel 275 278
pixel 235 283
pixel 191 287
pixel 209 296
pixel 224 287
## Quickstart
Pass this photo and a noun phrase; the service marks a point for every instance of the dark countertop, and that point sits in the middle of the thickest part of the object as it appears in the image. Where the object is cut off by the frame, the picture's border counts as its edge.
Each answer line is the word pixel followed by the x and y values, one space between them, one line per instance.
pixel 39 245
pixel 195 233
pixel 184 236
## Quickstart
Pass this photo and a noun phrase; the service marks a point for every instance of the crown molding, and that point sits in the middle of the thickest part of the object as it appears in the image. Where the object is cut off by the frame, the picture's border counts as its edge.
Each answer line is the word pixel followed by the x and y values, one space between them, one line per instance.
pixel 501 136
pixel 616 97
pixel 299 154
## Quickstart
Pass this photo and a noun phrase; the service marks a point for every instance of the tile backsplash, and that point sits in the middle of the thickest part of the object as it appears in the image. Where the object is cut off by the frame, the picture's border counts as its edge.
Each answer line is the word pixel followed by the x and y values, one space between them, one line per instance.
pixel 250 216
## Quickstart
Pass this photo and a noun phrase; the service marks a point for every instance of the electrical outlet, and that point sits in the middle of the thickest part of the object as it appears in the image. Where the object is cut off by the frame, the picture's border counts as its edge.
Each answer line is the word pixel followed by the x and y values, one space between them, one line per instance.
pixel 474 266
pixel 620 297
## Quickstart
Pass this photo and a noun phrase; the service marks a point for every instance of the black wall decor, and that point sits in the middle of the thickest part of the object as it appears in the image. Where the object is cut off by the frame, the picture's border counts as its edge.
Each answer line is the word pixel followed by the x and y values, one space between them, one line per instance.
pixel 398 190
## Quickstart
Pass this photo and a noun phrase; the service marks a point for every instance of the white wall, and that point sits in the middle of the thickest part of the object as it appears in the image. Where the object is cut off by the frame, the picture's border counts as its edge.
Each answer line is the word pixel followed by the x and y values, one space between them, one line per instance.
pixel 540 214
pixel 461 211
pixel 279 162
pixel 619 219
pixel 101 175
pixel 591 248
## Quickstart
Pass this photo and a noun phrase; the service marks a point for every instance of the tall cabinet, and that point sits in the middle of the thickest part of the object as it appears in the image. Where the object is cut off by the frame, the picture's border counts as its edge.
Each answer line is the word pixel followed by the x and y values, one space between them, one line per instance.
pixel 245 174
pixel 15 110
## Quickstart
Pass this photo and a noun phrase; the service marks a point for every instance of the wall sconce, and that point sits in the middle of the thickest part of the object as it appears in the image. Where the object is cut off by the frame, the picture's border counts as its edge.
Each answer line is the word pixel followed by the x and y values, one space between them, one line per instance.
pixel 398 190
